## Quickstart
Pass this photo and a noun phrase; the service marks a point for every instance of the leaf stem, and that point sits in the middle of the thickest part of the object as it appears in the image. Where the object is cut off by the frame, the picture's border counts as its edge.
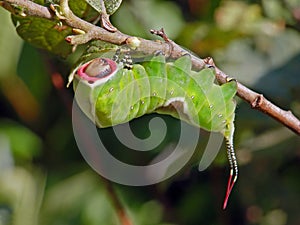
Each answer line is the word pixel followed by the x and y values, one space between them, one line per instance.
pixel 121 212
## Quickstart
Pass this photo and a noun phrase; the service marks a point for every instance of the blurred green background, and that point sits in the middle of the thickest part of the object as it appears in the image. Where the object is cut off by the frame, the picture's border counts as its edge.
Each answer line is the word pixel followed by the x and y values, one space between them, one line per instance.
pixel 44 180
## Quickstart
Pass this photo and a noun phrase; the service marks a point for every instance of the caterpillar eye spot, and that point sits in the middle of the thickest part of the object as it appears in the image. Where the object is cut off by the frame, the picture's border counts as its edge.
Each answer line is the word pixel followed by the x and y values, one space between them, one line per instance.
pixel 211 106
pixel 111 89
pixel 142 102
pixel 220 115
pixel 172 92
pixel 154 94
pixel 192 97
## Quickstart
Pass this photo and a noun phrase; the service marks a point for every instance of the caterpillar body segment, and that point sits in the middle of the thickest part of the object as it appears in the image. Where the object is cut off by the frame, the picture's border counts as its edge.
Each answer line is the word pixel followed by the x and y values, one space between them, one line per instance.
pixel 154 86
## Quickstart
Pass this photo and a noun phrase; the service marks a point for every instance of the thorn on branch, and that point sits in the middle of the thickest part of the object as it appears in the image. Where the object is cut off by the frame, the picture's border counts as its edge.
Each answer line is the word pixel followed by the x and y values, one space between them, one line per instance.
pixel 161 33
pixel 257 101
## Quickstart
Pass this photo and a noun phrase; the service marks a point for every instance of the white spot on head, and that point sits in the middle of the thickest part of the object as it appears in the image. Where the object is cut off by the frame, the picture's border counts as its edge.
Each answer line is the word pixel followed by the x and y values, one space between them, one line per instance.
pixel 171 92
pixel 111 89
pixel 192 96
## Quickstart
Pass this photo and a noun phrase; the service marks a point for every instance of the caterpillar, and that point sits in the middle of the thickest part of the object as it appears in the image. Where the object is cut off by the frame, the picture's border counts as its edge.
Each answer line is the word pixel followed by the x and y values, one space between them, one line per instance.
pixel 114 93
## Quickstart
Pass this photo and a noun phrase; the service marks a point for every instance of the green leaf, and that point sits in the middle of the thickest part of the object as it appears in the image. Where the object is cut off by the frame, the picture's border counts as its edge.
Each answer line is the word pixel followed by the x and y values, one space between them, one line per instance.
pixel 81 9
pixel 23 142
pixel 155 14
pixel 45 34
pixel 34 75
pixel 10 46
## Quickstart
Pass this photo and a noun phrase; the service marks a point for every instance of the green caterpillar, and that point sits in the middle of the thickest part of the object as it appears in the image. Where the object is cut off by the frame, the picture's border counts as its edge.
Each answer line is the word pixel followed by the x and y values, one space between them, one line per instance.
pixel 113 93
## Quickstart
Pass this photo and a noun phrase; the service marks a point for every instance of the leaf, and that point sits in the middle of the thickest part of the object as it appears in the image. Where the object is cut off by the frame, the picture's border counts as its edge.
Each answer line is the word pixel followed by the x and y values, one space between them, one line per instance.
pixel 96 4
pixel 83 10
pixel 155 14
pixel 45 34
pixel 24 143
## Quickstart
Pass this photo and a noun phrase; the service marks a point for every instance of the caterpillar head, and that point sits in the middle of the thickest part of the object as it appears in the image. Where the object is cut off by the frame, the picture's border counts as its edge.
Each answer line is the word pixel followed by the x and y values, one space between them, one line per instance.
pixel 90 78
pixel 96 71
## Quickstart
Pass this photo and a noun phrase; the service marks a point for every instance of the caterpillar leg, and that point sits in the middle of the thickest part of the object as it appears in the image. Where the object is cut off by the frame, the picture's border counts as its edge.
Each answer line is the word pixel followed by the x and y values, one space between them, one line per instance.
pixel 116 56
pixel 126 58
pixel 232 162
pixel 127 61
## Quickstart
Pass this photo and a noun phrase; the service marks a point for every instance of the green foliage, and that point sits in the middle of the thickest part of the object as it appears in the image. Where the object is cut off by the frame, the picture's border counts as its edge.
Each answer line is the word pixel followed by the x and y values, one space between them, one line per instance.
pixel 154 16
pixel 47 182
pixel 50 34
pixel 81 9
pixel 11 44
pixel 42 33
pixel 110 5
pixel 24 144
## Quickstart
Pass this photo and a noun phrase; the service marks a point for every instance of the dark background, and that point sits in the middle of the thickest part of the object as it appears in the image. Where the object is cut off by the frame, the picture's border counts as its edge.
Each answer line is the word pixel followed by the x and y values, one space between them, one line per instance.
pixel 45 180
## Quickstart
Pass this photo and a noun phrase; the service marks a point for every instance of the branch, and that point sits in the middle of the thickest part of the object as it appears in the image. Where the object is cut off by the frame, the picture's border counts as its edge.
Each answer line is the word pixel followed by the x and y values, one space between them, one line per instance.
pixel 259 102
pixel 30 8
pixel 168 47
pixel 121 212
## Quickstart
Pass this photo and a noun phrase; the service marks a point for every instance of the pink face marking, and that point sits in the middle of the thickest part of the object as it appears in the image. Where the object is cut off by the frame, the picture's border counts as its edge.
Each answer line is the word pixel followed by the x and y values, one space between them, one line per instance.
pixel 97 69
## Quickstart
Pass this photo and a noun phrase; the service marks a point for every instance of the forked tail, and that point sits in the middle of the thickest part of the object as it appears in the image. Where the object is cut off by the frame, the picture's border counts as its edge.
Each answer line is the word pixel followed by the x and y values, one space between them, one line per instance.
pixel 232 162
